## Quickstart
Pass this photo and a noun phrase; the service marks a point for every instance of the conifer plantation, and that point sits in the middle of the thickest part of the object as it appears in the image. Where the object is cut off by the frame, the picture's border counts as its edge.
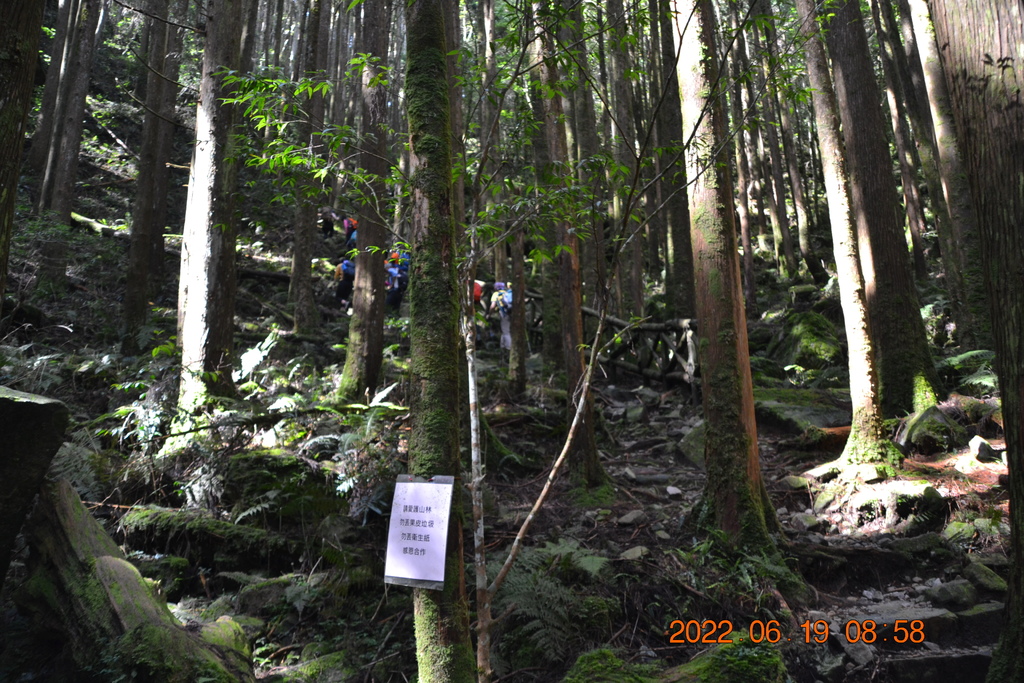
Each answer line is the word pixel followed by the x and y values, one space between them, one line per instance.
pixel 496 341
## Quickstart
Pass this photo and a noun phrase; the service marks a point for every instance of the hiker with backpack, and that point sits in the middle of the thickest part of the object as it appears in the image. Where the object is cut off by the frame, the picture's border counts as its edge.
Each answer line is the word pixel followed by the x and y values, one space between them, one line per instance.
pixel 345 276
pixel 501 301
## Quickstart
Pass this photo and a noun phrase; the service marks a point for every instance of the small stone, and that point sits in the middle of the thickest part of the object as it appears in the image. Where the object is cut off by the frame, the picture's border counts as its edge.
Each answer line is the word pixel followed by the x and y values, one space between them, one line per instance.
pixel 796 483
pixel 630 518
pixel 673 492
pixel 663 535
pixel 629 474
pixel 859 653
pixel 805 522
pixel 634 553
pixel 932 646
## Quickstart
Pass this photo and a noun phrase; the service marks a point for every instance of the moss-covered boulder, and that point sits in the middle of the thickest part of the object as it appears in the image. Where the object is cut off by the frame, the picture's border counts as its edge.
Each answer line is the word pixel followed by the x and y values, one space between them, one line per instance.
pixel 798 411
pixel 742 660
pixel 602 666
pixel 932 431
pixel 207 541
pixel 332 668
pixel 809 341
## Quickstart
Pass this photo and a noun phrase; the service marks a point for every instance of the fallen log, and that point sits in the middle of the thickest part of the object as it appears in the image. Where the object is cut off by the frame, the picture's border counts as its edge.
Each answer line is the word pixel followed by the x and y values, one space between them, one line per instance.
pixel 81 587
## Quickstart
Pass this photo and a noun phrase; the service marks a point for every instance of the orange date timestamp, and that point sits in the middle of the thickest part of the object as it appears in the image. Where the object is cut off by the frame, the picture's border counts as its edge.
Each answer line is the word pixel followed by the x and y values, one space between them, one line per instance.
pixel 868 631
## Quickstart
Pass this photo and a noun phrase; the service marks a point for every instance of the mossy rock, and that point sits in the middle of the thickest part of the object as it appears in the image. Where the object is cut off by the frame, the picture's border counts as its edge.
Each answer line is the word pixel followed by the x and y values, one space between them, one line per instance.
pixel 808 340
pixel 741 660
pixel 801 410
pixel 767 372
pixel 207 541
pixel 171 573
pixel 932 431
pixel 692 445
pixel 602 666
pixel 332 668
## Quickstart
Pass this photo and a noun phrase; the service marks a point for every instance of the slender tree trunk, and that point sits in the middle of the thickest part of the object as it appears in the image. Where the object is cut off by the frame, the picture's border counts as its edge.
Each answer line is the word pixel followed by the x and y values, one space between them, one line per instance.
pixel 308 196
pixel 735 491
pixel 679 270
pixel 143 225
pixel 57 187
pixel 981 60
pixel 780 222
pixel 19 36
pixel 905 150
pixel 743 179
pixel 867 441
pixel 443 647
pixel 907 374
pixel 206 293
pixel 60 54
pixel 961 249
pixel 583 458
pixel 365 349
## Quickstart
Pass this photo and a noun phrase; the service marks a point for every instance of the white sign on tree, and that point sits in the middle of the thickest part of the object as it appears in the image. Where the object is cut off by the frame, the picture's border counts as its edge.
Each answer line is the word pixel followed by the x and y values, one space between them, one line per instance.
pixel 418 533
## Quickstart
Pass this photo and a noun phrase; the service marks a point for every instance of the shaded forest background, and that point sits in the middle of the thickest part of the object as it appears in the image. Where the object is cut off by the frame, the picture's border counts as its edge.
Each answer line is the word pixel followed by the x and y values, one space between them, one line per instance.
pixel 704 211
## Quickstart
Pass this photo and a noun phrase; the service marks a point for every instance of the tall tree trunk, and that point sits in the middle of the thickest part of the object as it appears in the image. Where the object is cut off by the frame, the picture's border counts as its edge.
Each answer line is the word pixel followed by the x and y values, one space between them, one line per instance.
pixel 743 176
pixel 365 348
pixel 308 196
pixel 443 648
pixel 206 292
pixel 150 208
pixel 623 143
pixel 19 36
pixel 583 457
pixel 867 441
pixel 905 150
pixel 734 491
pixel 48 111
pixel 907 374
pixel 788 266
pixel 960 248
pixel 57 189
pixel 679 270
pixel 981 59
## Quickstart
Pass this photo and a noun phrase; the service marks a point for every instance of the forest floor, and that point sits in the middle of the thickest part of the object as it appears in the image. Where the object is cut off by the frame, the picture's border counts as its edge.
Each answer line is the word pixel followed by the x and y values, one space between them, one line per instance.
pixel 618 570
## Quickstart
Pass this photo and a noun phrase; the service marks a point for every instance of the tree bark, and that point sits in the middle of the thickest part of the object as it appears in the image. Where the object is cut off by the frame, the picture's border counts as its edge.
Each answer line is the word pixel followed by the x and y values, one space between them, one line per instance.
pixel 981 61
pixel 964 267
pixel 443 647
pixel 206 293
pixel 734 491
pixel 365 349
pixel 583 457
pixel 867 441
pixel 19 36
pixel 907 375
pixel 679 270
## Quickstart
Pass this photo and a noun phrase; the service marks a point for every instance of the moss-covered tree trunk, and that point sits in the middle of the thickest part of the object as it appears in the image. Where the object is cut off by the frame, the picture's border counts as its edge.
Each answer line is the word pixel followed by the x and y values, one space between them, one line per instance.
pixel 81 586
pixel 982 60
pixel 19 35
pixel 365 349
pixel 735 490
pixel 907 376
pixel 867 442
pixel 443 648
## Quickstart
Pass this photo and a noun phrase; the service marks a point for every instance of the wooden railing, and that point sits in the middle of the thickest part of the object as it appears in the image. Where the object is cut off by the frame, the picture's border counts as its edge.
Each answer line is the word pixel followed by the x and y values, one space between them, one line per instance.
pixel 662 351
